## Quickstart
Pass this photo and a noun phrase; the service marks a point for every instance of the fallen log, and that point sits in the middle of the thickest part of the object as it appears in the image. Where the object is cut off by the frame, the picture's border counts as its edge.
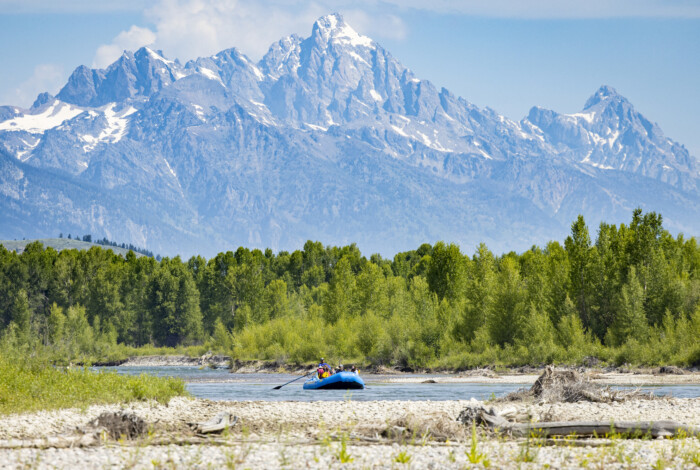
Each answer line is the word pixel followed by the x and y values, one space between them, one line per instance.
pixel 490 419
pixel 600 428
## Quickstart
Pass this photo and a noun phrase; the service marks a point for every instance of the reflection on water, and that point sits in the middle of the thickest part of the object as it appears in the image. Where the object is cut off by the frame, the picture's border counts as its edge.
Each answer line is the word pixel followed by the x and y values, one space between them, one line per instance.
pixel 219 384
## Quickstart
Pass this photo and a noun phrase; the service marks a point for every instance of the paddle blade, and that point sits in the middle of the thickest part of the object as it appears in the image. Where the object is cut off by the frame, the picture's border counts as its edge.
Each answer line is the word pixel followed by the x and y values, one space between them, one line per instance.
pixel 278 387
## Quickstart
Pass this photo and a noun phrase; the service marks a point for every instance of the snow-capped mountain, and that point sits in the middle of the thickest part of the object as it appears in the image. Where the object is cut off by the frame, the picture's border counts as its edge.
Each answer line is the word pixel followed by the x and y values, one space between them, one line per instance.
pixel 327 137
pixel 610 134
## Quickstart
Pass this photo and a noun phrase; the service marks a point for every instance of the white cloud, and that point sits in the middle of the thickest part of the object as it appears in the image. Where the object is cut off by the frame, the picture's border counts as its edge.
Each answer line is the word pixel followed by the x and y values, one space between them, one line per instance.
pixel 493 8
pixel 376 25
pixel 130 40
pixel 193 28
pixel 187 29
pixel 71 6
pixel 540 9
pixel 46 77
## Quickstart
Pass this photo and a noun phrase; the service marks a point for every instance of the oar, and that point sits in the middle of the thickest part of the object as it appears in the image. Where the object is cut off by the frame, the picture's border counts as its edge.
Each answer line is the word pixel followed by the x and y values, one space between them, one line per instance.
pixel 280 386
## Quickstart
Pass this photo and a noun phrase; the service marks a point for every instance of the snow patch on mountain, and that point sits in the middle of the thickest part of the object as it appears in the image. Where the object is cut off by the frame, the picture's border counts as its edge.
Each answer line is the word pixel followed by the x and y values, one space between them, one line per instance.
pixel 114 130
pixel 159 57
pixel 210 74
pixel 315 127
pixel 199 111
pixel 399 131
pixel 48 118
pixel 588 117
pixel 171 65
pixel 28 148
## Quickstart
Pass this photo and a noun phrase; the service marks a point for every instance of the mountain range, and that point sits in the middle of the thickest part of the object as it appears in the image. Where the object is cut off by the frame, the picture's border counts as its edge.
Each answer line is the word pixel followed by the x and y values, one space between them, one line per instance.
pixel 327 138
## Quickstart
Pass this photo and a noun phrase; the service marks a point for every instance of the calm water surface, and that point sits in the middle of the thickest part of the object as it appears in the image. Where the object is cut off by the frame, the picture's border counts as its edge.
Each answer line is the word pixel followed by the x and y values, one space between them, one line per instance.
pixel 220 384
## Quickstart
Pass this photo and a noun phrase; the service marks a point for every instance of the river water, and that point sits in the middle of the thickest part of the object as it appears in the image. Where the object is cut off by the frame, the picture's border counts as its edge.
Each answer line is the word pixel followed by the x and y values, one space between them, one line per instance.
pixel 220 384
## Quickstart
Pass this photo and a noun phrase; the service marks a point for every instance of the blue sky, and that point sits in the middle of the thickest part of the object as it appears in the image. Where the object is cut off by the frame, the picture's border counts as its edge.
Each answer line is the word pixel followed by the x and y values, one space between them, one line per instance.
pixel 506 54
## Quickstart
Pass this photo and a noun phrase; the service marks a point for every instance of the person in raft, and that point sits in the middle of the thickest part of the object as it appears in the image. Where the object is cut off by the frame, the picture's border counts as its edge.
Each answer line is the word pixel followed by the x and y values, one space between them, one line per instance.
pixel 354 369
pixel 323 369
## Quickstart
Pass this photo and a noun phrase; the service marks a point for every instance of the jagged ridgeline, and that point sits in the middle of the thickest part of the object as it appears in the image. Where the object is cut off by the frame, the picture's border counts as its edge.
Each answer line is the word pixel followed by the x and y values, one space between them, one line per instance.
pixel 631 293
pixel 326 137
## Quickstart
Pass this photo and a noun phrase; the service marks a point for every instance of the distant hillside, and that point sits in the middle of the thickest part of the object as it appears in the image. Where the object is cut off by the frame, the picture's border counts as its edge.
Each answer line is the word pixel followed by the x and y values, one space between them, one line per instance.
pixel 61 244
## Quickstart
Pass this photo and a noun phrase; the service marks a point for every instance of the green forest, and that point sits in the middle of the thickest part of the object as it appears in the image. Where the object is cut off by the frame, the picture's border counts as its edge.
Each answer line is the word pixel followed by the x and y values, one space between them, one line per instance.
pixel 629 295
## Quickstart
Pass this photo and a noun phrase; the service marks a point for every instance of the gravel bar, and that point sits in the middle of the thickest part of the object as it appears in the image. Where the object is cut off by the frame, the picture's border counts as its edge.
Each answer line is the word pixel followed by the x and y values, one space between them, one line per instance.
pixel 304 434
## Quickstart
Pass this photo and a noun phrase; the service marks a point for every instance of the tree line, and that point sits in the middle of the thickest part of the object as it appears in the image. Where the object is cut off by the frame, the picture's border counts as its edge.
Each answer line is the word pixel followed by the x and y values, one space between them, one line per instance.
pixel 104 241
pixel 631 295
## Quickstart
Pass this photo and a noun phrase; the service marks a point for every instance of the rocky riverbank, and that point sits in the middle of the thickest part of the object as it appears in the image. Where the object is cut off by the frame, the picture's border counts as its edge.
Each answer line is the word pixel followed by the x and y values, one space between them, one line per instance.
pixel 207 360
pixel 523 375
pixel 641 377
pixel 309 434
pixel 284 453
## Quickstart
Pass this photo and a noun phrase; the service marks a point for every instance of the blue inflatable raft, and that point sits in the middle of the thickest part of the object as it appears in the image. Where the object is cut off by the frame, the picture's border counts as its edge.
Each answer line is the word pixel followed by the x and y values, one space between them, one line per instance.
pixel 339 381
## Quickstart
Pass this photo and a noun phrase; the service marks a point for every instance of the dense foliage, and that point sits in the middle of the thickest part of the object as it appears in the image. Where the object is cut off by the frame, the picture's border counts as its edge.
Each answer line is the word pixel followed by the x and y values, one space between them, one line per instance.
pixel 632 295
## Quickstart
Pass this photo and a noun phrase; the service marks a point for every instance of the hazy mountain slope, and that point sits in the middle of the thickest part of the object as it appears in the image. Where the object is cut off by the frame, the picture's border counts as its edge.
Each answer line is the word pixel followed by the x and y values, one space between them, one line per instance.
pixel 60 244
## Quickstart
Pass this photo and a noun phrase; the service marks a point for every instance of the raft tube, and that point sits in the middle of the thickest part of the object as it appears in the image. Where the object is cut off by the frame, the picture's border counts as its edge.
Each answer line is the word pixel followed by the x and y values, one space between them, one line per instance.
pixel 339 381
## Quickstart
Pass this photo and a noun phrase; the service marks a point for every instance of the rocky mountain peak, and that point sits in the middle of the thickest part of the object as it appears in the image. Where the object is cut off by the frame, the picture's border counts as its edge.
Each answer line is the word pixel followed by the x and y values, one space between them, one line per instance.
pixel 604 94
pixel 282 57
pixel 334 29
pixel 42 99
pixel 147 53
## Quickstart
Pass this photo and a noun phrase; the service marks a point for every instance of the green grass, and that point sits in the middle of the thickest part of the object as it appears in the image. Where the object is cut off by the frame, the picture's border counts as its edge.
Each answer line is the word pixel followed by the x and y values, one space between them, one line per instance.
pixel 343 455
pixel 27 386
pixel 402 457
pixel 474 456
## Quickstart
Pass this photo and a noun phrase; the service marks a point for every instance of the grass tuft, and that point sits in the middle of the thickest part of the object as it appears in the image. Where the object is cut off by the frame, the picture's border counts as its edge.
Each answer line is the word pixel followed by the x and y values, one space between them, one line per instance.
pixel 27 386
pixel 474 456
pixel 402 457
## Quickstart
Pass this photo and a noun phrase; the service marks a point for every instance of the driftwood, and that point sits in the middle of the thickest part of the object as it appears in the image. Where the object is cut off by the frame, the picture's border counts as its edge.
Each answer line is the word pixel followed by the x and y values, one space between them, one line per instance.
pixel 119 425
pixel 601 428
pixel 669 370
pixel 218 423
pixel 568 386
pixel 114 425
pixel 499 424
pixel 552 378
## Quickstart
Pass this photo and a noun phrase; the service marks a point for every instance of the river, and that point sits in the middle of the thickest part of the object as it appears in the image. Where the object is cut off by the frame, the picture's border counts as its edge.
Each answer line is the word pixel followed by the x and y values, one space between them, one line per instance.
pixel 220 384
